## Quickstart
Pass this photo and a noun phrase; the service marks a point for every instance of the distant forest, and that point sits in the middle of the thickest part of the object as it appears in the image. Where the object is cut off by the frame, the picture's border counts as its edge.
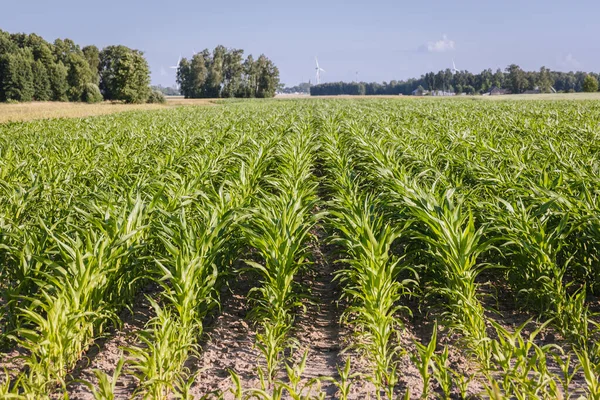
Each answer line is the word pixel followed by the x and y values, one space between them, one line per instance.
pixel 34 69
pixel 167 90
pixel 224 73
pixel 513 78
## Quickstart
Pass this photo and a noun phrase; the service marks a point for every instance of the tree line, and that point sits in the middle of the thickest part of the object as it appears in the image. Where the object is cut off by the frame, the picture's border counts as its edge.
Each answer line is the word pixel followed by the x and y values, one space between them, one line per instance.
pixel 225 73
pixel 303 87
pixel 167 90
pixel 513 78
pixel 32 69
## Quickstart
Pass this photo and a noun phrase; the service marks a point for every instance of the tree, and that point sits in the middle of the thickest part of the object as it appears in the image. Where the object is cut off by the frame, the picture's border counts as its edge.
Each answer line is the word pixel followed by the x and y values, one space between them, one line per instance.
pixel 517 82
pixel 62 49
pixel 214 79
pixel 198 76
pixel 34 69
pixel 16 76
pixel 78 75
pixel 167 91
pixel 249 78
pixel 498 78
pixel 92 56
pixel 430 80
pixel 41 82
pixel 156 97
pixel 124 75
pixel 268 77
pixel 6 44
pixel 545 81
pixel 590 84
pixel 184 79
pixel 232 69
pixel 57 77
pixel 485 80
pixel 91 93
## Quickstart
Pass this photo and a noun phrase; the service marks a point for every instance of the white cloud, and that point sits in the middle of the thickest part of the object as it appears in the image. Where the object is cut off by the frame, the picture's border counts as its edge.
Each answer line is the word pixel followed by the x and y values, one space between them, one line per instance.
pixel 441 46
pixel 569 62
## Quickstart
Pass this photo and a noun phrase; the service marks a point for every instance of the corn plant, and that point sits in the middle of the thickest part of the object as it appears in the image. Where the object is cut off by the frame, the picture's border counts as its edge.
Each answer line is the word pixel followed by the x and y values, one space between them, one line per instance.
pixel 279 229
pixel 424 360
pixel 76 304
pixel 371 278
pixel 455 244
pixel 107 384
pixel 591 373
pixel 534 238
pixel 442 373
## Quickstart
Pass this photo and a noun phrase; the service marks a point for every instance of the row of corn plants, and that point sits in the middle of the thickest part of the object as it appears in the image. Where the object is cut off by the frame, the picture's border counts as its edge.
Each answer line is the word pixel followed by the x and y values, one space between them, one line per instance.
pixel 398 168
pixel 468 194
pixel 278 228
pixel 198 233
pixel 374 281
pixel 86 266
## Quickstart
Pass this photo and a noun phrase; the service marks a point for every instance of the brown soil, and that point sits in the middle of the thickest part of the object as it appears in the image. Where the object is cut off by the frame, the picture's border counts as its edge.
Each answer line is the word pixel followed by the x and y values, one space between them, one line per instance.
pixel 317 330
pixel 228 345
pixel 106 353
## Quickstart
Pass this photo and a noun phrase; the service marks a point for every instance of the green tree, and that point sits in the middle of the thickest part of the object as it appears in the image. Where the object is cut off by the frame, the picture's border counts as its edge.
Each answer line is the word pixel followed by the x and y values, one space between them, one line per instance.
pixel 184 79
pixel 198 76
pixel 517 81
pixel 40 49
pixel 590 84
pixel 92 56
pixel 545 81
pixel 62 49
pixel 57 77
pixel 232 69
pixel 6 43
pixel 156 97
pixel 249 78
pixel 268 77
pixel 78 75
pixel 124 75
pixel 214 80
pixel 16 76
pixel 486 79
pixel 41 82
pixel 498 78
pixel 91 93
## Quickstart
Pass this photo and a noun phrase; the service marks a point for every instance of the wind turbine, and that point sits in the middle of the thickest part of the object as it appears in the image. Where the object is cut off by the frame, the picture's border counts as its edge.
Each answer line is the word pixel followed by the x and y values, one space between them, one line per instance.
pixel 176 66
pixel 319 70
pixel 454 70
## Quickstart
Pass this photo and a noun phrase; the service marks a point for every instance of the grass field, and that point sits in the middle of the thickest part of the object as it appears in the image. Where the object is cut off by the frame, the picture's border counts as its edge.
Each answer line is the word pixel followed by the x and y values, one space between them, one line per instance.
pixel 303 249
pixel 511 97
pixel 46 110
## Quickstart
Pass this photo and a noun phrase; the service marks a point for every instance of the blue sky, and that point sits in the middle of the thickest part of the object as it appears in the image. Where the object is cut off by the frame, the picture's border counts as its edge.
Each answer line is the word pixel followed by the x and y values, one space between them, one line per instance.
pixel 381 39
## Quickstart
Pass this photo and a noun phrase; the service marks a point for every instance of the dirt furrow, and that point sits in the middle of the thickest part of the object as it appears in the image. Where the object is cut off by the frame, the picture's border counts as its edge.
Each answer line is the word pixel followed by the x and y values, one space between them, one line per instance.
pixel 106 353
pixel 228 346
pixel 317 330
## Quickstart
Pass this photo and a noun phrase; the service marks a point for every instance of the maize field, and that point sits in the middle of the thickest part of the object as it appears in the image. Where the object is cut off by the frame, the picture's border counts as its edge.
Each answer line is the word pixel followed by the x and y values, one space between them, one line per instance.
pixel 303 249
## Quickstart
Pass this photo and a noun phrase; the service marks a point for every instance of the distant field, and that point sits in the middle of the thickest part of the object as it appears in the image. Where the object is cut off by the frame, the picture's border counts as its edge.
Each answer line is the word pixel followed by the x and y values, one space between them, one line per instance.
pixel 545 96
pixel 44 110
pixel 47 109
